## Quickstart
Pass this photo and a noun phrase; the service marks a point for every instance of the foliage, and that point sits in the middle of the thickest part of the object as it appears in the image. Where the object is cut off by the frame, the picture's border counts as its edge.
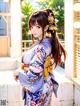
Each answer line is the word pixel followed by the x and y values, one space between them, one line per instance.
pixel 56 5
pixel 42 4
pixel 58 8
pixel 27 9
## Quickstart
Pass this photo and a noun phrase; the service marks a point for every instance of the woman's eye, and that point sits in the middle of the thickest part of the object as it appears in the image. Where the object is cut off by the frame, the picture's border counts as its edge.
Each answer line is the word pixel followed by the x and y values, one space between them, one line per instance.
pixel 38 26
pixel 31 27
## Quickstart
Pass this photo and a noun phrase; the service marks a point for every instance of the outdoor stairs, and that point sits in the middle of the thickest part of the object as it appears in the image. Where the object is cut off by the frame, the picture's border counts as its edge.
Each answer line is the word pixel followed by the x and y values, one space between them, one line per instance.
pixel 11 91
pixel 8 63
pixel 65 91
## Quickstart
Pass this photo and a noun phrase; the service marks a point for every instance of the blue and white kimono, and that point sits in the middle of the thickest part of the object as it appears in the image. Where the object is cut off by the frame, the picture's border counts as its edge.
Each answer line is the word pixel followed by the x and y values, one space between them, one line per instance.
pixel 38 91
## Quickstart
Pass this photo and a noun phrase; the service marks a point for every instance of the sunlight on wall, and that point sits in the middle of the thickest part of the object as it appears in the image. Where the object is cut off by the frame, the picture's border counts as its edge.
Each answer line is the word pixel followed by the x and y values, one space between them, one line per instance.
pixel 76 7
pixel 69 38
pixel 16 18
pixel 77 25
pixel 15 28
pixel 6 0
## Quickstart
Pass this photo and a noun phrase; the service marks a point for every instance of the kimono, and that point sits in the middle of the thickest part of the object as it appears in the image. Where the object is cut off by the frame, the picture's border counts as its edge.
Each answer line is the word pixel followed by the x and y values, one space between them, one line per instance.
pixel 38 88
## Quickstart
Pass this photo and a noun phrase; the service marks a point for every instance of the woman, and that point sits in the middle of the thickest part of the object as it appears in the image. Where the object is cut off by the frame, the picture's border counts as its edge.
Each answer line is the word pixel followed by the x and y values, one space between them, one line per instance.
pixel 36 74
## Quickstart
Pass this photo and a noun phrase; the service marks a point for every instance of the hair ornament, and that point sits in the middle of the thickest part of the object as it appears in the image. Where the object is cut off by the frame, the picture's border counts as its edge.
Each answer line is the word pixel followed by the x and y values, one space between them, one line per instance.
pixel 52 28
pixel 51 19
pixel 48 34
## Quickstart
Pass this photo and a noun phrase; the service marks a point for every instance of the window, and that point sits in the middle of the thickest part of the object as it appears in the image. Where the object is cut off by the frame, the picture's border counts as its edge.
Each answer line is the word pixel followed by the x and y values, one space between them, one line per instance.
pixel 77 41
pixel 4 6
pixel 4 18
pixel 76 1
pixel 77 53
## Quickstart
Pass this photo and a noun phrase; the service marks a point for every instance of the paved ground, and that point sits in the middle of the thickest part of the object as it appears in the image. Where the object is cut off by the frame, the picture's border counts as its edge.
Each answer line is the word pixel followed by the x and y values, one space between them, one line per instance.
pixel 6 78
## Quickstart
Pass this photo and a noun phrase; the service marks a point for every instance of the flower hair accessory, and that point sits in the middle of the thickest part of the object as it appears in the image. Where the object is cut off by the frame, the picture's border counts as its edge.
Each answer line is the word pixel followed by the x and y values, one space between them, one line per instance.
pixel 51 19
pixel 52 28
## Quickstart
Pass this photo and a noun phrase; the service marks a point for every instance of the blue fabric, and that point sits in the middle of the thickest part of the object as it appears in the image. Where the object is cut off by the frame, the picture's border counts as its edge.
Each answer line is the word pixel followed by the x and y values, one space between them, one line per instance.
pixel 25 77
pixel 38 88
pixel 55 84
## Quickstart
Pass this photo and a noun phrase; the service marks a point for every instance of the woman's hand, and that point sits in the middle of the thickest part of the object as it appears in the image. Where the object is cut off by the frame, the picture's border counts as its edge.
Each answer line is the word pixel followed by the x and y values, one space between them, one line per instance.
pixel 25 67
pixel 26 88
pixel 16 75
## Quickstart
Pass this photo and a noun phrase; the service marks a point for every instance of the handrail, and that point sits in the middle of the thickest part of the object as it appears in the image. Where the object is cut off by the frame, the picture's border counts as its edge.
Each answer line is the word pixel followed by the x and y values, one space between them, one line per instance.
pixel 27 43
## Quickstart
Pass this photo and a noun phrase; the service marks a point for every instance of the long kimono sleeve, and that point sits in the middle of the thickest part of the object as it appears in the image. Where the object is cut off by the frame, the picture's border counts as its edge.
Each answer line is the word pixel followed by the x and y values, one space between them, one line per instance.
pixel 37 62
pixel 32 79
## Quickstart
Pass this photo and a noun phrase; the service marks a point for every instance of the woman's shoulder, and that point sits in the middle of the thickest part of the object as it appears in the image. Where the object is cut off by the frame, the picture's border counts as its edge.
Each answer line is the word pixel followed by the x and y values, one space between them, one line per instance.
pixel 46 42
pixel 46 45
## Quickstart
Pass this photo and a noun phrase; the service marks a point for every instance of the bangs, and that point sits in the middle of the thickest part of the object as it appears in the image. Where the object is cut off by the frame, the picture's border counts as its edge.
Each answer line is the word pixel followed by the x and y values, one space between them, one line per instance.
pixel 32 22
pixel 39 18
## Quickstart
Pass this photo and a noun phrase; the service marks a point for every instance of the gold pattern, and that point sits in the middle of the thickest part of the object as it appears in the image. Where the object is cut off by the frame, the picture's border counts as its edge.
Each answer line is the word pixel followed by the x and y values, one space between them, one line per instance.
pixel 24 67
pixel 51 19
pixel 48 66
pixel 33 80
pixel 48 34
pixel 52 27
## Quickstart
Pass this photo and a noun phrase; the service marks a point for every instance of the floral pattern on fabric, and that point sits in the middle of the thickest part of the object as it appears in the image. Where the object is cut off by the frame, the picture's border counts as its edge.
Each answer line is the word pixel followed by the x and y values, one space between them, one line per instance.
pixel 37 63
pixel 36 76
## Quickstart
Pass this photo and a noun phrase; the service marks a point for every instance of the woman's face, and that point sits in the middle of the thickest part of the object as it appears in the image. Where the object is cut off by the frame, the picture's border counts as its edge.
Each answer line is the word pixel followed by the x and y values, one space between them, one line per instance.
pixel 36 30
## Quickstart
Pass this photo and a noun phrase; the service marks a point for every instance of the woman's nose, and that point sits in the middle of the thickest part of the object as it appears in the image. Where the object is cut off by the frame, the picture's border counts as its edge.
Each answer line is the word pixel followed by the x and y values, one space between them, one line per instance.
pixel 33 29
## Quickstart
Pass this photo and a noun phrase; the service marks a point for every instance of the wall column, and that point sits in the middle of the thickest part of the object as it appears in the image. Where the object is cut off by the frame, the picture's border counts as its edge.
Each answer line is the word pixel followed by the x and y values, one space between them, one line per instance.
pixel 69 38
pixel 15 28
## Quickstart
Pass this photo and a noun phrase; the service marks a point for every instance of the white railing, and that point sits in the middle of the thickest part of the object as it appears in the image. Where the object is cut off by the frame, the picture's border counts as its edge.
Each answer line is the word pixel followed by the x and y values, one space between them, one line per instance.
pixel 27 43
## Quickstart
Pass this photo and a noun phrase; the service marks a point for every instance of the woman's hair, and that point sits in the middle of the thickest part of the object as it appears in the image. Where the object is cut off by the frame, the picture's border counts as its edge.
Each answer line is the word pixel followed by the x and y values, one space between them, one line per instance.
pixel 39 17
pixel 44 18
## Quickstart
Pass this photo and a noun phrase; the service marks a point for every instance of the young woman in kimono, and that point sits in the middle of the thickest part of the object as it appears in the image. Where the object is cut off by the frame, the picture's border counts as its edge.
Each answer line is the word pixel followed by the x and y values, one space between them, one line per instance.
pixel 36 75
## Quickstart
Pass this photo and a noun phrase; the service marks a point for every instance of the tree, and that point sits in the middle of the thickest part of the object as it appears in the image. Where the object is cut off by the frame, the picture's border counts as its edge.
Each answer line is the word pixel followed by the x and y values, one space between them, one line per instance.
pixel 42 4
pixel 58 8
pixel 27 9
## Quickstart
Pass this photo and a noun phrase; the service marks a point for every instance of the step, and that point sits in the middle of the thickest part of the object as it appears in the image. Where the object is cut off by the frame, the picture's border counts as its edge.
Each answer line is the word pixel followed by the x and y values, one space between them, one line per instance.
pixel 10 90
pixel 8 63
pixel 65 90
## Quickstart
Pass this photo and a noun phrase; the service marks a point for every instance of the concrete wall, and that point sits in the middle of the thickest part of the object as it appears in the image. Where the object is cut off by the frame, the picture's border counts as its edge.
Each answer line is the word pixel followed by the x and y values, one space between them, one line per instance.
pixel 11 91
pixel 65 90
pixel 76 96
pixel 15 28
pixel 69 45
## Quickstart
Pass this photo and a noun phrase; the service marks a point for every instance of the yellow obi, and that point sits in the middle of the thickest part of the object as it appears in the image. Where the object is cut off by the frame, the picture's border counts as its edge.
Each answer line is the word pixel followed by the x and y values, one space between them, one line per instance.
pixel 48 66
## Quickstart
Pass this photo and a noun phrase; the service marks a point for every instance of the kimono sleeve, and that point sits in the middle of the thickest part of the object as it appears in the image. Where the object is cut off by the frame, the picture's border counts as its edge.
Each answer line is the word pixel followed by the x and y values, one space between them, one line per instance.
pixel 37 62
pixel 32 78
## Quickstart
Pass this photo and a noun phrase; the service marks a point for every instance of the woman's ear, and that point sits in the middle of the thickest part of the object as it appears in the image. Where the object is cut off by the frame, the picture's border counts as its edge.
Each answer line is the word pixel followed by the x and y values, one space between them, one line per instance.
pixel 46 28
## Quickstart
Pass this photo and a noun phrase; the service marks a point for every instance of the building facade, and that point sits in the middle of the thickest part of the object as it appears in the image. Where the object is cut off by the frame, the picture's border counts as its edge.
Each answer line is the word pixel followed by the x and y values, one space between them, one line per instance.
pixel 10 28
pixel 10 46
pixel 72 45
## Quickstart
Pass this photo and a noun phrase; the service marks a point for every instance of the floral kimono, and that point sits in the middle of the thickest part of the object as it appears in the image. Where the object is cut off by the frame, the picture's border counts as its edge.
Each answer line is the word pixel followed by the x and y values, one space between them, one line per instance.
pixel 36 75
